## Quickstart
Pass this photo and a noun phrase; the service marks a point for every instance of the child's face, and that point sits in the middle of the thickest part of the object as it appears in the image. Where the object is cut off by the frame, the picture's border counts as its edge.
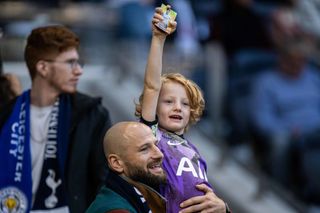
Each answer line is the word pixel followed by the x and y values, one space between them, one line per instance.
pixel 173 108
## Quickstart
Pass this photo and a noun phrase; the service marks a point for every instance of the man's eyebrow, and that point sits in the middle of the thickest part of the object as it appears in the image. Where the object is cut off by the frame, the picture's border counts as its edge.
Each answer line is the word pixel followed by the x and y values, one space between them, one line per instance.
pixel 144 144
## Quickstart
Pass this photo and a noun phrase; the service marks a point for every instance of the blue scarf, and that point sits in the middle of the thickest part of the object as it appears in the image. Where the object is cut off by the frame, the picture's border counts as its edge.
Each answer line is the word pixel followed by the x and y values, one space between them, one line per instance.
pixel 15 174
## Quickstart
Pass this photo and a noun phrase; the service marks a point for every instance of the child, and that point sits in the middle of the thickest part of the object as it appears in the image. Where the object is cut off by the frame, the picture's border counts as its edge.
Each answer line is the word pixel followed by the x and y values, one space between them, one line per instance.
pixel 169 104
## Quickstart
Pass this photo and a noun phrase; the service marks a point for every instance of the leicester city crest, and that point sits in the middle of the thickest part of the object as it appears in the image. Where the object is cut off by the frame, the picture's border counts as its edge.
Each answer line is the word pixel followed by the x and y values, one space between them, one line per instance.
pixel 12 200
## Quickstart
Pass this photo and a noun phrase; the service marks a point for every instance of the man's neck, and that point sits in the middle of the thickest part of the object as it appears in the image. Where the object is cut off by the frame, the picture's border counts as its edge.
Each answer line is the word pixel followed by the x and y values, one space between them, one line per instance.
pixel 42 95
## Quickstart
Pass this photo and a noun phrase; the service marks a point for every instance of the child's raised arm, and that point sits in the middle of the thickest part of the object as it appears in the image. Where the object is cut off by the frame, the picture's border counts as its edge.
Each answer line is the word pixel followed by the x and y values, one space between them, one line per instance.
pixel 152 82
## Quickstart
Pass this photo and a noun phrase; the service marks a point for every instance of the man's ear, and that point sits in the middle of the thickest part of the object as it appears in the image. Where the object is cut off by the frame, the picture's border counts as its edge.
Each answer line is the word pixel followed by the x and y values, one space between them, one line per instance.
pixel 115 163
pixel 42 68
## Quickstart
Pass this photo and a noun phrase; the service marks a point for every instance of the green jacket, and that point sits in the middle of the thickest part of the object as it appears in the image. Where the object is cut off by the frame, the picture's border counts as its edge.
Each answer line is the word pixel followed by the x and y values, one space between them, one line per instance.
pixel 108 200
pixel 123 193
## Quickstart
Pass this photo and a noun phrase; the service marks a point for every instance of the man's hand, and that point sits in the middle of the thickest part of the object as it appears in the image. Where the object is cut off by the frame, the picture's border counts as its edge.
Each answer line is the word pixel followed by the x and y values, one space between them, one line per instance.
pixel 207 203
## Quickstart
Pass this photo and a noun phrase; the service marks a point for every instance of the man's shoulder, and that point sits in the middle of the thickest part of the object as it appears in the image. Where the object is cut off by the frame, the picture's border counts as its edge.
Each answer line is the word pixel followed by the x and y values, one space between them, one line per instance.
pixel 82 103
pixel 84 106
pixel 108 200
pixel 79 97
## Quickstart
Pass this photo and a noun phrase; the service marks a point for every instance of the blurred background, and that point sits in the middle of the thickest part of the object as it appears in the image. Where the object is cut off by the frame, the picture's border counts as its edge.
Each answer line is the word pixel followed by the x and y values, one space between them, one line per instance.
pixel 257 62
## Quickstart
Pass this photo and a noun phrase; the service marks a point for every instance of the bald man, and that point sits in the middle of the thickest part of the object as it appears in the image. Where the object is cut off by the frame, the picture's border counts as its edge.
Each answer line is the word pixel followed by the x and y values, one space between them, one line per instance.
pixel 135 167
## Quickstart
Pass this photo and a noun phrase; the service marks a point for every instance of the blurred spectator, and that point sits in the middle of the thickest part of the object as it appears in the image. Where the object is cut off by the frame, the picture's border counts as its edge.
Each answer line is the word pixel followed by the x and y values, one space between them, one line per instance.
pixel 133 33
pixel 61 131
pixel 237 26
pixel 187 39
pixel 284 26
pixel 10 85
pixel 308 15
pixel 299 20
pixel 133 17
pixel 299 15
pixel 244 37
pixel 285 107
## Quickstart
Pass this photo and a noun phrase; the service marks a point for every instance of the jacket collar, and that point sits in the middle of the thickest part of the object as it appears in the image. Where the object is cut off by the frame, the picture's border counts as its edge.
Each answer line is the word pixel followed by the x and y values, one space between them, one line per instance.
pixel 127 188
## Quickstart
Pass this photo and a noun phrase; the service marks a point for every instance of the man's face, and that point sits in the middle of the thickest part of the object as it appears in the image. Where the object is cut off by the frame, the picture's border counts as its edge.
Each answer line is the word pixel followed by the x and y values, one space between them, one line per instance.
pixel 143 159
pixel 65 71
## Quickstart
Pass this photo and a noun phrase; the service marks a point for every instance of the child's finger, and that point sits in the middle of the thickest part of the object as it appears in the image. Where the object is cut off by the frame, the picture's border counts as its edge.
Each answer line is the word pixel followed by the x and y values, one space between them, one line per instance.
pixel 172 26
pixel 158 16
pixel 159 10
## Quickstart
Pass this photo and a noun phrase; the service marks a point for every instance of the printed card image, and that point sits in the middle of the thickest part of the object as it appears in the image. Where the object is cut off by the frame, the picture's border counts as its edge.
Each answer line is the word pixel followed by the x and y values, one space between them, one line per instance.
pixel 168 15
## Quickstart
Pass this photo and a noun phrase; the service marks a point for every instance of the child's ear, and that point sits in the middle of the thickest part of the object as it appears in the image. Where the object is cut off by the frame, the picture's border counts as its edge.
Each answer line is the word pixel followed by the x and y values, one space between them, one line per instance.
pixel 115 163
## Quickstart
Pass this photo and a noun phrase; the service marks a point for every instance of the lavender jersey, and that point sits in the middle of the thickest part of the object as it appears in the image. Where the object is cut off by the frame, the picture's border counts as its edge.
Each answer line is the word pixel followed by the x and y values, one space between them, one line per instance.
pixel 184 167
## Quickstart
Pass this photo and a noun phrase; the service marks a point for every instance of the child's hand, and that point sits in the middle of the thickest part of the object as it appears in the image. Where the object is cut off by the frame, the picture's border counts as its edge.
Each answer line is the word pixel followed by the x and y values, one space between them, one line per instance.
pixel 157 17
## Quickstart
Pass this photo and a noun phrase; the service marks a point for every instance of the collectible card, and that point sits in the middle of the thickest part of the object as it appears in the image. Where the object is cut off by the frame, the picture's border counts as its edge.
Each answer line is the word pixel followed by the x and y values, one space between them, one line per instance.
pixel 168 15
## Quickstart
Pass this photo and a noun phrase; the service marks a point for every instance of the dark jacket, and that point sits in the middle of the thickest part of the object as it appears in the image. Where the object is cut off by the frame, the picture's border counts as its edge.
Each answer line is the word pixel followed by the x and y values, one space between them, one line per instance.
pixel 85 169
pixel 119 194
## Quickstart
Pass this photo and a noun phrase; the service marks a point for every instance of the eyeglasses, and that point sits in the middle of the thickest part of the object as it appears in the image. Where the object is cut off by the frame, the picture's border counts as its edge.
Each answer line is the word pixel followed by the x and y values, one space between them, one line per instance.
pixel 73 63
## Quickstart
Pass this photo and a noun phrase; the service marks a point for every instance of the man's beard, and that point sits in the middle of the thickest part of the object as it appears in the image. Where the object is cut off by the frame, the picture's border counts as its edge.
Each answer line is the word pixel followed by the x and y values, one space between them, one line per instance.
pixel 146 177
